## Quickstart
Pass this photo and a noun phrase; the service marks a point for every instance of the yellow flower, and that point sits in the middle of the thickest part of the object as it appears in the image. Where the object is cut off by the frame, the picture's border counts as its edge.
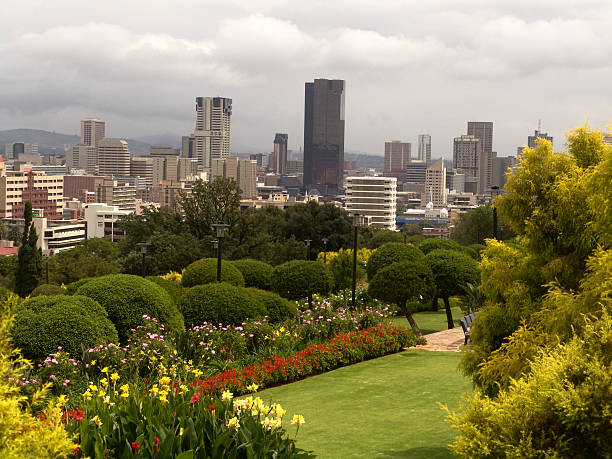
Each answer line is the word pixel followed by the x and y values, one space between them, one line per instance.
pixel 197 373
pixel 276 423
pixel 153 358
pixel 101 393
pixel 163 399
pixel 233 423
pixel 253 387
pixel 87 395
pixel 282 329
pixel 295 334
pixel 183 389
pixel 165 381
pixel 93 388
pixel 226 395
pixel 190 362
pixel 114 377
pixel 297 420
pixel 278 410
pixel 93 362
pixel 125 387
pixel 265 409
pixel 125 394
pixel 181 432
pixel 266 423
pixel 104 382
pixel 96 420
pixel 154 390
pixel 105 370
pixel 61 400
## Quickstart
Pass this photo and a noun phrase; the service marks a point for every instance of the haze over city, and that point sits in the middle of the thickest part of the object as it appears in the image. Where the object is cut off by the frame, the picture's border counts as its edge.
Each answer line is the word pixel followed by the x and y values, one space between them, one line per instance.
pixel 409 67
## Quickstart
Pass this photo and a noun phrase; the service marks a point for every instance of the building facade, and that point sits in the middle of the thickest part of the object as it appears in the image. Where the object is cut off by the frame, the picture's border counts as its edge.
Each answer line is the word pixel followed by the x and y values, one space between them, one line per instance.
pixel 435 184
pixel 102 221
pixel 113 157
pixel 467 151
pixel 424 153
pixel 278 159
pixel 532 139
pixel 45 192
pixel 92 131
pixel 15 149
pixel 397 155
pixel 142 167
pixel 211 137
pixel 373 197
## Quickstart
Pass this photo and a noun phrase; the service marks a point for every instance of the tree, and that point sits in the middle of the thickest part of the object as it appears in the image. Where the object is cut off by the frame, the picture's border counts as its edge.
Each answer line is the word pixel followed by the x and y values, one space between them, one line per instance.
pixel 452 270
pixel 474 226
pixel 400 282
pixel 300 279
pixel 389 254
pixel 341 267
pixel 29 257
pixel 90 258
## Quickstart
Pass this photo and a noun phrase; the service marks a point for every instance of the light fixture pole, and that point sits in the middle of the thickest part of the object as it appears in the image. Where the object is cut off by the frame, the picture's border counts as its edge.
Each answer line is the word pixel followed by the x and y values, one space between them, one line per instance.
pixel 220 227
pixel 143 249
pixel 495 189
pixel 308 241
pixel 356 221
pixel 325 250
pixel 215 243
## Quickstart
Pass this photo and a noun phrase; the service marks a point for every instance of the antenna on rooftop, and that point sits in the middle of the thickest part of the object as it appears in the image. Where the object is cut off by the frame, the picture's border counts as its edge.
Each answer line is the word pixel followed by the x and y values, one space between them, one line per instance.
pixel 540 125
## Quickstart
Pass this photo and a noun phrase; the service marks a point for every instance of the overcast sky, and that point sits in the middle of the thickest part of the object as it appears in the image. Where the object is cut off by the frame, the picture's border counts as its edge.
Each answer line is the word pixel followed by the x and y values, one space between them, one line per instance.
pixel 410 67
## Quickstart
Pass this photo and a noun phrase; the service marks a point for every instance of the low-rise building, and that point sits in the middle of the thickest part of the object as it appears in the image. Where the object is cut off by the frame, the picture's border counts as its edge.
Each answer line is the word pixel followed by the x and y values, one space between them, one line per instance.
pixel 102 221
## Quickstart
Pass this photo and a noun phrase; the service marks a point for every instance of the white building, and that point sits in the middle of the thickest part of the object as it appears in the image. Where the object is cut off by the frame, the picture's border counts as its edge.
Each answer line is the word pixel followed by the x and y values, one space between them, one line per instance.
pixel 211 137
pixel 435 184
pixel 373 197
pixel 55 236
pixel 102 221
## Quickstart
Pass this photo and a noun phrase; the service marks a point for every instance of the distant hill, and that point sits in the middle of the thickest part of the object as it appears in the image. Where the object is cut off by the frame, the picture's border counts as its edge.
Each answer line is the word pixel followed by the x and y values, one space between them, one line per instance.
pixel 167 139
pixel 56 142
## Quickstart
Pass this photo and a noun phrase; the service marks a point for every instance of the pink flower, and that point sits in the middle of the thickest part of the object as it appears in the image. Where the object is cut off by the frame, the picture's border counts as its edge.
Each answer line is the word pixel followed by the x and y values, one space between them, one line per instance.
pixel 52 377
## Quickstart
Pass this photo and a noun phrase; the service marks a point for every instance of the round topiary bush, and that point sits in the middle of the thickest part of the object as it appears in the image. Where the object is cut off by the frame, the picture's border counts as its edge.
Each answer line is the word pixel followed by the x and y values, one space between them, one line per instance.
pixel 299 279
pixel 204 271
pixel 256 273
pixel 74 286
pixel 46 322
pixel 127 298
pixel 219 303
pixel 391 253
pixel 279 309
pixel 436 243
pixel 173 289
pixel 48 289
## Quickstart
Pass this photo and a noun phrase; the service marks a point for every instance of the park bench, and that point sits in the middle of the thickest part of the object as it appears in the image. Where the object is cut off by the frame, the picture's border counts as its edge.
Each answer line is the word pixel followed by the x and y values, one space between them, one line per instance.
pixel 466 324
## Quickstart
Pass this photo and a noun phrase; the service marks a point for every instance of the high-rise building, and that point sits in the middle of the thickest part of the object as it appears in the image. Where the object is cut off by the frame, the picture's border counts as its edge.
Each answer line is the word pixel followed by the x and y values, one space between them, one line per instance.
pixel 415 171
pixel 113 157
pixel 45 192
pixel 15 149
pixel 247 178
pixel 81 157
pixel 500 168
pixel 278 159
pixel 187 148
pixel 92 131
pixel 532 139
pixel 211 137
pixel 424 148
pixel 373 197
pixel 324 135
pixel 482 130
pixel 435 184
pixel 142 166
pixel 467 151
pixel 397 155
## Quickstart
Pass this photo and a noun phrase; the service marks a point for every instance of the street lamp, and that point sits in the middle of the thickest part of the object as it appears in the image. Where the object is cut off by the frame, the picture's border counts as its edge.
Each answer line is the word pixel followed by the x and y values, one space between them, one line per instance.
pixel 356 222
pixel 220 228
pixel 215 243
pixel 143 249
pixel 308 241
pixel 495 189
pixel 325 250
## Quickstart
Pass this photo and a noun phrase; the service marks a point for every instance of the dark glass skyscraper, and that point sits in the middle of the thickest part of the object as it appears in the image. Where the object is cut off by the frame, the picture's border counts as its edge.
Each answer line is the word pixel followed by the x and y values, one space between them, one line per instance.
pixel 324 135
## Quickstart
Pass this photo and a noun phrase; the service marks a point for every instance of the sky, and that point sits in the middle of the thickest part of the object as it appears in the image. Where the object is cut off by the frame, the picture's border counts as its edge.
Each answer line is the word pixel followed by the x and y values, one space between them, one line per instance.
pixel 410 67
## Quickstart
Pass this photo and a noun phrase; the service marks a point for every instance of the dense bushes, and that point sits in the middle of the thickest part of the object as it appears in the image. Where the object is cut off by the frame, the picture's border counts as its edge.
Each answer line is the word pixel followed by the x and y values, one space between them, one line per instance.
pixel 278 308
pixel 435 243
pixel 46 322
pixel 256 273
pixel 173 289
pixel 73 287
pixel 389 254
pixel 219 303
pixel 48 289
pixel 204 271
pixel 301 279
pixel 127 298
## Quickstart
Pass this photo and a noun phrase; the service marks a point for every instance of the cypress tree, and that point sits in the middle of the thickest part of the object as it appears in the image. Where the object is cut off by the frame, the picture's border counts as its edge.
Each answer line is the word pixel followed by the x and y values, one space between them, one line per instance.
pixel 29 257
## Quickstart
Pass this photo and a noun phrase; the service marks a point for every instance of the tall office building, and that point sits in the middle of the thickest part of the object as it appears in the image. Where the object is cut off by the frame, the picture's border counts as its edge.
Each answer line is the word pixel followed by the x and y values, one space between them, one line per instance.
pixel 81 157
pixel 435 184
pixel 142 167
pixel 211 137
pixel 324 135
pixel 187 148
pixel 163 151
pixel 424 148
pixel 467 151
pixel 113 157
pixel 532 139
pixel 247 178
pixel 13 150
pixel 482 130
pixel 397 155
pixel 92 131
pixel 278 159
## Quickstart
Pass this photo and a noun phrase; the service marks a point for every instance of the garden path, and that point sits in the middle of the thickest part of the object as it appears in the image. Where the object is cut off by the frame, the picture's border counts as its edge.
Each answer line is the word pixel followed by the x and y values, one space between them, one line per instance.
pixel 445 340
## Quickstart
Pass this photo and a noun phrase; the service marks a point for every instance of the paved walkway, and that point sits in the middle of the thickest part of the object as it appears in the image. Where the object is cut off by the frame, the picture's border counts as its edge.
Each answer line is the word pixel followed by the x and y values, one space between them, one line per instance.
pixel 446 340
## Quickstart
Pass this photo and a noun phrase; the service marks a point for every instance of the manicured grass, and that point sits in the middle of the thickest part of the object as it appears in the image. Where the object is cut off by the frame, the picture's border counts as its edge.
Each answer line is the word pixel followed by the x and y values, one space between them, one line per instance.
pixel 428 321
pixel 387 407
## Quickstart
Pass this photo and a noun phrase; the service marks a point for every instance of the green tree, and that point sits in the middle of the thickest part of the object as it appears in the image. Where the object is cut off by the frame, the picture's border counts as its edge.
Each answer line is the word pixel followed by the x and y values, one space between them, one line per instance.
pixel 474 226
pixel 29 257
pixel 90 258
pixel 390 253
pixel 400 282
pixel 341 267
pixel 300 279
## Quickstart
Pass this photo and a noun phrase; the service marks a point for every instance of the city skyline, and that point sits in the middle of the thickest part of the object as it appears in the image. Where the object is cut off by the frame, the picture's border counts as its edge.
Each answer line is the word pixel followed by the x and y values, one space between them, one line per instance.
pixel 474 62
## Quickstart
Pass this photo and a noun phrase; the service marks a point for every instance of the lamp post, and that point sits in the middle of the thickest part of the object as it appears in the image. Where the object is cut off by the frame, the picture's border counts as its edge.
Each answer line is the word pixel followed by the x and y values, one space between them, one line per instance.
pixel 143 249
pixel 215 243
pixel 356 221
pixel 325 250
pixel 495 189
pixel 308 241
pixel 47 267
pixel 220 228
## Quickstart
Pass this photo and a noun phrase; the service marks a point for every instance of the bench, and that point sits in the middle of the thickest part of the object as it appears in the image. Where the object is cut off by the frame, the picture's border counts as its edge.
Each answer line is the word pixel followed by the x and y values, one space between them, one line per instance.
pixel 466 324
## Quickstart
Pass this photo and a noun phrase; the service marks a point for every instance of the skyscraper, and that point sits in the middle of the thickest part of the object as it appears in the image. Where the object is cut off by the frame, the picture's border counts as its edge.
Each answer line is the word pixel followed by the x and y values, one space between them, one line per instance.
pixel 467 151
pixel 424 148
pixel 211 137
pixel 435 184
pixel 113 157
pixel 278 160
pixel 92 131
pixel 397 155
pixel 324 135
pixel 531 140
pixel 482 130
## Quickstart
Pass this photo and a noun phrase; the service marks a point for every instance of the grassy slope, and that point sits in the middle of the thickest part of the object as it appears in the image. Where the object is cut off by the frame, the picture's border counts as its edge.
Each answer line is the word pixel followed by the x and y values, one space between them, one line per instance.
pixel 386 407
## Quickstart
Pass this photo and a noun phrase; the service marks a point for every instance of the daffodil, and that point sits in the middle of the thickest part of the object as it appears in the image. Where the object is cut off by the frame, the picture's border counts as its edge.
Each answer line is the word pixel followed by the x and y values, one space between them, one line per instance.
pixel 226 395
pixel 165 381
pixel 114 377
pixel 93 388
pixel 105 370
pixel 253 387
pixel 101 393
pixel 61 400
pixel 154 390
pixel 163 399
pixel 104 382
pixel 87 395
pixel 183 389
pixel 297 420
pixel 197 373
pixel 233 423
pixel 125 387
pixel 96 419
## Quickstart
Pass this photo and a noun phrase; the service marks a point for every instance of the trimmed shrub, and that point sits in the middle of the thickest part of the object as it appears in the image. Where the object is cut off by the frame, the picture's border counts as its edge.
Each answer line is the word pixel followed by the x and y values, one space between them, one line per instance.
pixel 279 309
pixel 391 253
pixel 73 287
pixel 173 289
pixel 436 243
pixel 219 303
pixel 300 279
pixel 127 298
pixel 256 273
pixel 48 289
pixel 46 322
pixel 204 271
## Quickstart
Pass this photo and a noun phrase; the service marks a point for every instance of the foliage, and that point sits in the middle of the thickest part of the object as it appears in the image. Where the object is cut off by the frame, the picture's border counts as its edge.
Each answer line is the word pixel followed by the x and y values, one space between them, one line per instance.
pixel 363 255
pixel 341 267
pixel 74 286
pixel 436 243
pixel 389 254
pixel 278 309
pixel 21 433
pixel 400 282
pixel 8 266
pixel 219 303
pixel 172 288
pixel 44 323
pixel 127 298
pixel 48 289
pixel 256 273
pixel 471 299
pixel 90 258
pixel 29 257
pixel 301 279
pixel 204 271
pixel 384 236
pixel 476 225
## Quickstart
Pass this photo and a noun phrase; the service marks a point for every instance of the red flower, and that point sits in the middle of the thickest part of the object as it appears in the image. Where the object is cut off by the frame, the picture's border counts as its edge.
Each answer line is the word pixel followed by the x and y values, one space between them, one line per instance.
pixel 211 407
pixel 77 451
pixel 136 445
pixel 194 399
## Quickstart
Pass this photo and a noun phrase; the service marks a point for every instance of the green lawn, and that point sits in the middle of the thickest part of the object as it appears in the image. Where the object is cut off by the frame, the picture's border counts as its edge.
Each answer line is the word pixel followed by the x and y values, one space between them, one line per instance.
pixel 387 407
pixel 430 322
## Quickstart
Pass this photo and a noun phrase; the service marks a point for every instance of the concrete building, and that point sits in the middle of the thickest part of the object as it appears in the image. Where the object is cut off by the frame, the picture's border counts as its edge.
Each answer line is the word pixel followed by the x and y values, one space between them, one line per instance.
pixel 168 193
pixel 92 131
pixel 102 221
pixel 532 139
pixel 397 155
pixel 187 147
pixel 324 135
pixel 55 236
pixel 416 171
pixel 113 157
pixel 455 181
pixel 435 184
pixel 211 137
pixel 163 151
pixel 142 167
pixel 482 130
pixel 424 153
pixel 247 178
pixel 165 168
pixel 501 166
pixel 13 150
pixel 115 193
pixel 373 197
pixel 188 169
pixel 82 157
pixel 295 167
pixel 278 158
pixel 467 151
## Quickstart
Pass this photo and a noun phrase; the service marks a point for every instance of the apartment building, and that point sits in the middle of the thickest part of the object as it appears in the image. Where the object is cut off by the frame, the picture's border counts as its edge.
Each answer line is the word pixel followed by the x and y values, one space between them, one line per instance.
pixel 374 198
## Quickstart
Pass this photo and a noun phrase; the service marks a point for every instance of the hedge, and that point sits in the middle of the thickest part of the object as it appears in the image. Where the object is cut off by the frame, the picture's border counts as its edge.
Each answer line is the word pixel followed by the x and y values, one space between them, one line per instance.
pixel 256 273
pixel 390 253
pixel 48 289
pixel 300 279
pixel 74 286
pixel 204 271
pixel 173 289
pixel 278 308
pixel 431 244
